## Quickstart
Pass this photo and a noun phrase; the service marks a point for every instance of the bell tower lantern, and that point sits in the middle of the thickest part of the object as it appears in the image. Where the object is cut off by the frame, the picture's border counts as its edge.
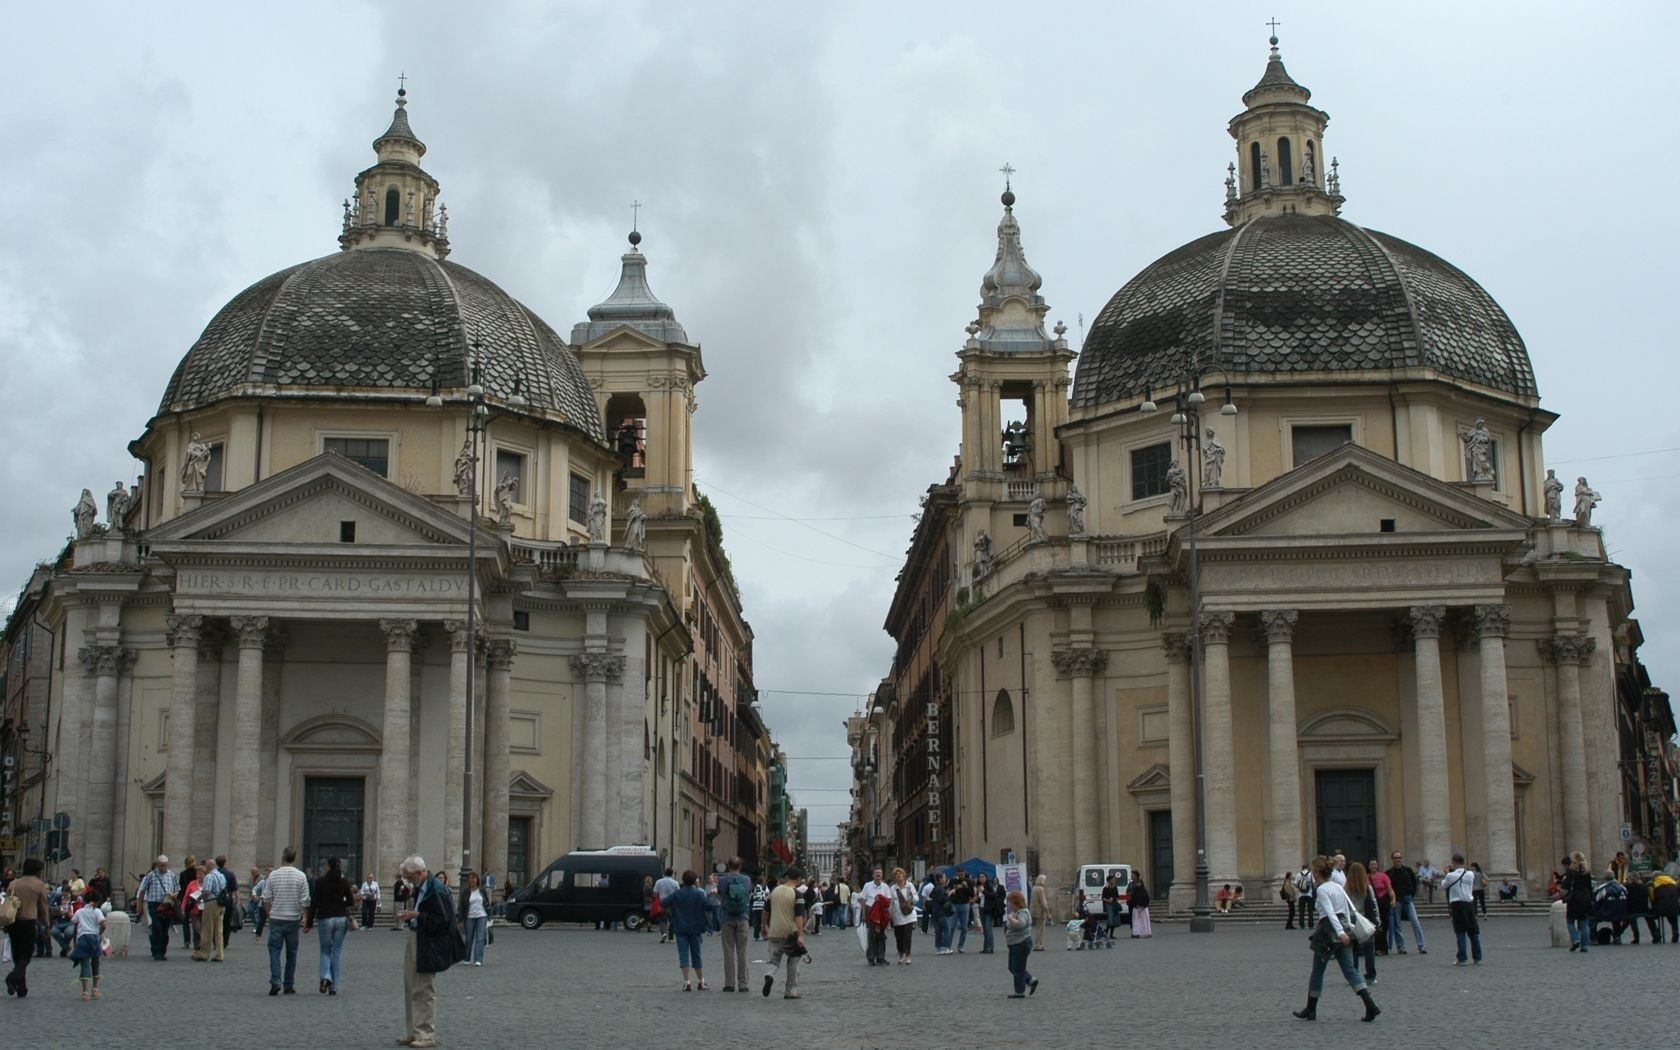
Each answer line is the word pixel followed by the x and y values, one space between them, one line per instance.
pixel 1280 167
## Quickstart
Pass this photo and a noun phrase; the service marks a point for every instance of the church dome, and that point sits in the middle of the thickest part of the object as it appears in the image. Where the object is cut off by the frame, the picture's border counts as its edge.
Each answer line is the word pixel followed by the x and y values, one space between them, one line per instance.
pixel 380 320
pixel 1298 293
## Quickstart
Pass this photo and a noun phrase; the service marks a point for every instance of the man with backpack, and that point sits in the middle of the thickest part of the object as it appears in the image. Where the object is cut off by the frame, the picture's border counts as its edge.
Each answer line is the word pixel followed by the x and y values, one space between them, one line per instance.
pixel 760 901
pixel 735 897
pixel 214 889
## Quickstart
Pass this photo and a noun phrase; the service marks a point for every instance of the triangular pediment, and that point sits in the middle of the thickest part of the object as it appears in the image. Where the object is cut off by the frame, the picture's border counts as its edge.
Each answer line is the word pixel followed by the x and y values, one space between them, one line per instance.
pixel 306 504
pixel 524 785
pixel 1354 491
pixel 624 337
pixel 1157 777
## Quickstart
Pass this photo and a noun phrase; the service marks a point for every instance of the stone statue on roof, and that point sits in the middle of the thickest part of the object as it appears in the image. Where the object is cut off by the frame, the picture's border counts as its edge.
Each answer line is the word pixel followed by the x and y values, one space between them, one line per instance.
pixel 598 518
pixel 1178 483
pixel 1035 520
pixel 1075 511
pixel 1213 461
pixel 635 527
pixel 1585 500
pixel 505 489
pixel 1478 453
pixel 195 466
pixel 1553 488
pixel 982 555
pixel 117 505
pixel 84 513
pixel 464 470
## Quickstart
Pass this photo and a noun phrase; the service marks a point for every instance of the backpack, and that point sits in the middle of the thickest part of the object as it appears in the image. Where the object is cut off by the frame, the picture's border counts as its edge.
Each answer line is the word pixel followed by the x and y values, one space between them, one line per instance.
pixel 735 897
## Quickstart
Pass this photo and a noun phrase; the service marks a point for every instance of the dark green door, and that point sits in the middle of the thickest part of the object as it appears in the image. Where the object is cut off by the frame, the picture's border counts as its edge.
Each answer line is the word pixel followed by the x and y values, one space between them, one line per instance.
pixel 518 852
pixel 1347 812
pixel 1160 854
pixel 332 823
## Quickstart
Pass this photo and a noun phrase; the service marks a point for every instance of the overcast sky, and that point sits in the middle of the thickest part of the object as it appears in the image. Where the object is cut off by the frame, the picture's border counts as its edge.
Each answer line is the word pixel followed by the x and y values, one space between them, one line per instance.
pixel 821 201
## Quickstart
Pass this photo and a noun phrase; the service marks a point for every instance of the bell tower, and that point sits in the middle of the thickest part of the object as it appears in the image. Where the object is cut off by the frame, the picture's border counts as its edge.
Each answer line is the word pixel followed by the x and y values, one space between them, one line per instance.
pixel 1280 167
pixel 395 199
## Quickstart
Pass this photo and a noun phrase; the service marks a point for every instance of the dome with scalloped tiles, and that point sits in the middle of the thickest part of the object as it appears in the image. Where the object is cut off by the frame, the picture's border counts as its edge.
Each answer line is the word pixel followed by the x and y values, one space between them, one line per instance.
pixel 1297 294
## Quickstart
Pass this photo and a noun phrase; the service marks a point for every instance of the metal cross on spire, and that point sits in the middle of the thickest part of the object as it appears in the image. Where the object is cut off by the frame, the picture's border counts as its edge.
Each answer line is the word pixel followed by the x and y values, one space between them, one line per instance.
pixel 635 214
pixel 1006 171
pixel 1274 23
pixel 402 81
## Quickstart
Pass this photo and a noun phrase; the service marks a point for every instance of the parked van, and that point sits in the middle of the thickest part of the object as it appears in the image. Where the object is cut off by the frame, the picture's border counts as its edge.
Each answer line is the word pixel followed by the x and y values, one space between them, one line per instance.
pixel 596 885
pixel 1092 878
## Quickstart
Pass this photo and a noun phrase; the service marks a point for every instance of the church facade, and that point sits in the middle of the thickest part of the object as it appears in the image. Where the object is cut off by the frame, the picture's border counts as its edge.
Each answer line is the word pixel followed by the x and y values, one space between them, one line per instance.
pixel 1283 523
pixel 268 641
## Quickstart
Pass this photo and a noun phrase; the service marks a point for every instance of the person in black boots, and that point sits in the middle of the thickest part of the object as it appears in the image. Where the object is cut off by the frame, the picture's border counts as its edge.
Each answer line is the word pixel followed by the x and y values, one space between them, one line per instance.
pixel 1331 940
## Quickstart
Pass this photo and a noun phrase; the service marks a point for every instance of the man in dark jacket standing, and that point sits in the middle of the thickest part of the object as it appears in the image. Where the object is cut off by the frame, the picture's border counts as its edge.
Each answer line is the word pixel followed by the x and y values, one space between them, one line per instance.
pixel 1405 883
pixel 433 949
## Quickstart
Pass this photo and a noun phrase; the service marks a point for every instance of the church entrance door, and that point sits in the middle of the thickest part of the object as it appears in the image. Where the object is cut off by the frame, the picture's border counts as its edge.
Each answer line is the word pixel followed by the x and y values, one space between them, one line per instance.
pixel 332 824
pixel 518 852
pixel 1347 812
pixel 1160 854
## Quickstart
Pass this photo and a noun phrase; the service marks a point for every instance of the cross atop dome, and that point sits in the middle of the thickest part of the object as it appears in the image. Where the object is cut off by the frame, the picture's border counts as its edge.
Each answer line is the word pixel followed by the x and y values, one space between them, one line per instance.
pixel 1011 310
pixel 395 199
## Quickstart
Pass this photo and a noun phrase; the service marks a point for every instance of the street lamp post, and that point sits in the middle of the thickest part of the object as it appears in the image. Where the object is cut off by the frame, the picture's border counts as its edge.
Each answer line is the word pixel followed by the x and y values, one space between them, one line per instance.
pixel 1187 418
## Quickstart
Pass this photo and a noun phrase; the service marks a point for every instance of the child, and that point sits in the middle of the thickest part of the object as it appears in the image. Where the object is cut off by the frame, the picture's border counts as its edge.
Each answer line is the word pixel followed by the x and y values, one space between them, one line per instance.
pixel 90 925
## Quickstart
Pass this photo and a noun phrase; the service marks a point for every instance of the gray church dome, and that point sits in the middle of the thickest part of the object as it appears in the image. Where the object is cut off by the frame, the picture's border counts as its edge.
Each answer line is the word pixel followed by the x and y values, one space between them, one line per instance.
pixel 376 321
pixel 1298 293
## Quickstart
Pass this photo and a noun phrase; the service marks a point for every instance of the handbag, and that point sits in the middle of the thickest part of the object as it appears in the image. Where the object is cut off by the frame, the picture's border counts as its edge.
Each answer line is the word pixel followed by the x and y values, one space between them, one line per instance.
pixel 1360 928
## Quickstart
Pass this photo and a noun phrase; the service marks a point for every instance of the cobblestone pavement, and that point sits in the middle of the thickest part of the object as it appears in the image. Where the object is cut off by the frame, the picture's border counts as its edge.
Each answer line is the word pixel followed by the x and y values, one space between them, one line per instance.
pixel 573 987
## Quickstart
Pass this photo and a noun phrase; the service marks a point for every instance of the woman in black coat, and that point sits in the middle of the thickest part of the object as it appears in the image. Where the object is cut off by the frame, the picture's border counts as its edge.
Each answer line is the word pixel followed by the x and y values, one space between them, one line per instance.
pixel 1577 887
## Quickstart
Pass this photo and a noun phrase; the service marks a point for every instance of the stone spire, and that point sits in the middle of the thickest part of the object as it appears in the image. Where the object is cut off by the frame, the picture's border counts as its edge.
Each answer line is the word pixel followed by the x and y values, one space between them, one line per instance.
pixel 1281 166
pixel 1011 310
pixel 631 303
pixel 396 199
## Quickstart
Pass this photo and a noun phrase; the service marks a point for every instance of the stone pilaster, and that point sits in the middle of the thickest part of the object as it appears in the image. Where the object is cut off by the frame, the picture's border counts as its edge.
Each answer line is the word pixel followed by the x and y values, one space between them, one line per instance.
pixel 103 662
pixel 395 843
pixel 455 743
pixel 1080 665
pixel 496 766
pixel 1432 731
pixel 600 759
pixel 208 703
pixel 183 634
pixel 251 636
pixel 268 748
pixel 1181 760
pixel 1219 785
pixel 1493 623
pixel 1283 823
pixel 1569 651
pixel 119 775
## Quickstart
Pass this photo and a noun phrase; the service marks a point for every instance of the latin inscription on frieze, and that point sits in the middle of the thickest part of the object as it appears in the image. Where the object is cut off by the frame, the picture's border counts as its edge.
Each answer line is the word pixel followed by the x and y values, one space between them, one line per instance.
pixel 319 585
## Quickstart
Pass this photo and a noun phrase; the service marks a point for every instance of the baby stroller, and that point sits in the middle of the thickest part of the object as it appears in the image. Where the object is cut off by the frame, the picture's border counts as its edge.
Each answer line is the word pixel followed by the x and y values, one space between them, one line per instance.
pixel 1089 932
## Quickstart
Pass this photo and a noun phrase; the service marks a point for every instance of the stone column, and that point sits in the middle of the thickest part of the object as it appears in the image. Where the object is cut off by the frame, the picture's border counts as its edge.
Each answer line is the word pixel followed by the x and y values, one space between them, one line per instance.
pixel 1219 787
pixel 1283 833
pixel 496 772
pixel 1432 733
pixel 208 702
pixel 1080 665
pixel 599 761
pixel 1181 760
pixel 1568 651
pixel 103 662
pixel 1493 623
pixel 268 751
pixel 183 632
pixel 251 635
pixel 454 764
pixel 394 840
pixel 119 775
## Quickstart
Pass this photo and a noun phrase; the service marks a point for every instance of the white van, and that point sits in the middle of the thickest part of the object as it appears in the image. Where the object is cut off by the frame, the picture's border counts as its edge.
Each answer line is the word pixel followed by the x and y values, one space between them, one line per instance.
pixel 1092 878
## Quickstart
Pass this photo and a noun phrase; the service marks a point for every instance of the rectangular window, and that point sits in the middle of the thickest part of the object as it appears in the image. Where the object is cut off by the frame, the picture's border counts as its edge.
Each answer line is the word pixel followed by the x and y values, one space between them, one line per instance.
pixel 1149 470
pixel 372 453
pixel 1310 442
pixel 512 464
pixel 213 469
pixel 578 503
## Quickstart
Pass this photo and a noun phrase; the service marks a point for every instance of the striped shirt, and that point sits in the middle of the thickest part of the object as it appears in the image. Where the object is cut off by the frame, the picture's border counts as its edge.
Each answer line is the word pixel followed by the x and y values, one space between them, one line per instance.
pixel 286 894
pixel 158 886
pixel 214 884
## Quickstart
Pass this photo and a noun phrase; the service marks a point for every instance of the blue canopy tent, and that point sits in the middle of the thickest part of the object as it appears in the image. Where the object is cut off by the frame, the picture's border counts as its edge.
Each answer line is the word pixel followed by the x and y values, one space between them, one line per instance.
pixel 971 867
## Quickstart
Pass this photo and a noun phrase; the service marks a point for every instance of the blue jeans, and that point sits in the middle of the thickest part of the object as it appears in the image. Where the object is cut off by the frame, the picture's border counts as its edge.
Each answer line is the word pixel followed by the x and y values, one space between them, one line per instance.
pixel 941 933
pixel 478 931
pixel 986 927
pixel 688 950
pixel 959 932
pixel 1018 954
pixel 1580 932
pixel 332 948
pixel 282 932
pixel 1111 914
pixel 1404 909
pixel 1350 970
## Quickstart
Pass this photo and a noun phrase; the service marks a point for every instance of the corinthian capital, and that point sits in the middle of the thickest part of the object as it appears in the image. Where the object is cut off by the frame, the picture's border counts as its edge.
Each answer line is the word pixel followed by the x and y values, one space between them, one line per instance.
pixel 503 650
pixel 1077 662
pixel 1493 621
pixel 1426 620
pixel 399 634
pixel 102 660
pixel 252 630
pixel 1279 624
pixel 1176 646
pixel 598 667
pixel 1216 627
pixel 1568 648
pixel 182 631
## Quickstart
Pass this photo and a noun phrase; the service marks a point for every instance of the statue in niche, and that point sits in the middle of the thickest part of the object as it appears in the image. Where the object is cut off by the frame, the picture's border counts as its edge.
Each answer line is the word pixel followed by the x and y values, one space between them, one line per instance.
pixel 505 490
pixel 635 527
pixel 1553 488
pixel 1478 453
pixel 1213 461
pixel 464 470
pixel 83 513
pixel 117 505
pixel 598 518
pixel 1585 500
pixel 982 555
pixel 1035 520
pixel 1075 511
pixel 1178 483
pixel 1309 172
pixel 196 465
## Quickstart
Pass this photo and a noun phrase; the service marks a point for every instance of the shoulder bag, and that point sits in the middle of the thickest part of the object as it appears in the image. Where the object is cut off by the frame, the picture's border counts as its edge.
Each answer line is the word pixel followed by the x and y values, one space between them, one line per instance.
pixel 1360 928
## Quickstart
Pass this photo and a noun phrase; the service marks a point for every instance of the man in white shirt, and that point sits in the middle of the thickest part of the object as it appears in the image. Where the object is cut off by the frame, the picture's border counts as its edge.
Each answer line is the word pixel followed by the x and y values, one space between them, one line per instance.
pixel 662 890
pixel 1338 874
pixel 369 894
pixel 1460 884
pixel 284 898
pixel 876 953
pixel 1427 875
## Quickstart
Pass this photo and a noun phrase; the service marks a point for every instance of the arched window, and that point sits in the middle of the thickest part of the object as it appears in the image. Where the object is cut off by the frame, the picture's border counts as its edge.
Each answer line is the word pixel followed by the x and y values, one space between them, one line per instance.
pixel 1256 174
pixel 393 206
pixel 627 417
pixel 1286 166
pixel 1003 714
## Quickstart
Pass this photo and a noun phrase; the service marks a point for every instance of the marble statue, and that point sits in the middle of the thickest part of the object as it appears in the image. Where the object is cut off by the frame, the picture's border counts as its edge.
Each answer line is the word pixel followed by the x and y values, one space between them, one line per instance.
pixel 982 555
pixel 1585 500
pixel 598 518
pixel 1035 521
pixel 1478 452
pixel 1075 511
pixel 1553 488
pixel 505 489
pixel 1179 484
pixel 1213 461
pixel 83 513
pixel 464 470
pixel 195 465
pixel 635 527
pixel 117 505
